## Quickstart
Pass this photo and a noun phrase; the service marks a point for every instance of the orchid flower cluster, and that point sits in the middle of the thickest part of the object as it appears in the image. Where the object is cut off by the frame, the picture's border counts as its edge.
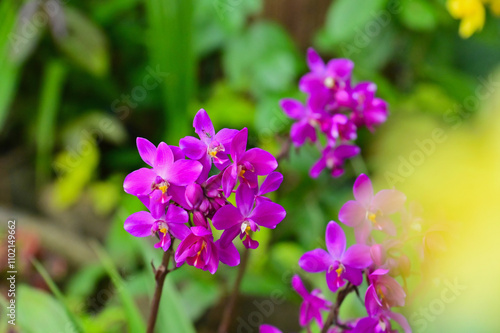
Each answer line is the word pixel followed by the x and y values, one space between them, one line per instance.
pixel 344 268
pixel 334 108
pixel 184 202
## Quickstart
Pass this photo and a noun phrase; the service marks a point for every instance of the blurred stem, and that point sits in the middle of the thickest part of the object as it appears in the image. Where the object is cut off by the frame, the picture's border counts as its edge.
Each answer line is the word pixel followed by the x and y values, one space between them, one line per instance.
pixel 228 310
pixel 333 317
pixel 160 275
pixel 52 84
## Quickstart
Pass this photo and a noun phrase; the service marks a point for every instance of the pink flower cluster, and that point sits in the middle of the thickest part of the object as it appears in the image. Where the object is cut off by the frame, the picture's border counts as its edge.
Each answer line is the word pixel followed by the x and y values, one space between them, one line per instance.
pixel 379 264
pixel 185 203
pixel 334 108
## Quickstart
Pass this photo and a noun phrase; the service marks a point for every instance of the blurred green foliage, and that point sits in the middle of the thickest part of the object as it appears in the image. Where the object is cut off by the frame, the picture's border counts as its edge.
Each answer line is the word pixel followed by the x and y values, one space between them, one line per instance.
pixel 78 84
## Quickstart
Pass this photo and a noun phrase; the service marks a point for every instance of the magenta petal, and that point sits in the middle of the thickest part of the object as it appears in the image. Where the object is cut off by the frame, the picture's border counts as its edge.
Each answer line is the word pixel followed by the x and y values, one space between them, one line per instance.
pixel 400 319
pixel 366 325
pixel 263 162
pixel 226 217
pixel 301 131
pixel 225 137
pixel 192 147
pixel 372 304
pixel 184 172
pixel 341 68
pixel 362 232
pixel 245 198
pixel 388 201
pixel 271 183
pixel 139 182
pixel 228 255
pixel 178 230
pixel 229 178
pixel 147 150
pixel 268 329
pixel 314 61
pixel 239 144
pixel 229 235
pixel 335 240
pixel 315 261
pixel 352 213
pixel 357 256
pixel 203 126
pixel 267 214
pixel 353 275
pixel 293 108
pixel 176 214
pixel 387 225
pixel 311 83
pixel 317 168
pixel 164 159
pixel 139 224
pixel 333 282
pixel 363 190
pixel 299 286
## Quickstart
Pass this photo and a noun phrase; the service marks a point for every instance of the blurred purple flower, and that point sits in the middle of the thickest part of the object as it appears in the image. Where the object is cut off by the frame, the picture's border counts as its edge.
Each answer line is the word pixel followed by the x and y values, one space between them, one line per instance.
pixel 379 316
pixel 340 265
pixel 370 211
pixel 312 304
pixel 333 158
pixel 369 111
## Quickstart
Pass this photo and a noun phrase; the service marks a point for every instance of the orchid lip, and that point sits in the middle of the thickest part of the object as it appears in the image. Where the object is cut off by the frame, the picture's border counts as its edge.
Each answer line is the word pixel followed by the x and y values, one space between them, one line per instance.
pixel 329 82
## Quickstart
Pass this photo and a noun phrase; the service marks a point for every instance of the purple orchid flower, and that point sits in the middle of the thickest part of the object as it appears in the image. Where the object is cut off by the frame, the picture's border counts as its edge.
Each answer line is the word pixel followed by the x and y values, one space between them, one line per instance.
pixel 268 329
pixel 330 82
pixel 199 250
pixel 247 165
pixel 166 171
pixel 307 118
pixel 388 290
pixel 312 305
pixel 245 218
pixel 210 146
pixel 333 158
pixel 339 126
pixel 379 316
pixel 368 110
pixel 142 224
pixel 340 265
pixel 370 211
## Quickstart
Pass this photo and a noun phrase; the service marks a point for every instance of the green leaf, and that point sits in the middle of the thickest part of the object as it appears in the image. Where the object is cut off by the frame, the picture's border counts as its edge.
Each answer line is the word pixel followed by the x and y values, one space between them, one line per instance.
pixel 75 323
pixel 9 68
pixel 50 97
pixel 419 15
pixel 85 44
pixel 264 59
pixel 345 18
pixel 75 168
pixel 171 50
pixel 83 282
pixel 134 318
pixel 39 312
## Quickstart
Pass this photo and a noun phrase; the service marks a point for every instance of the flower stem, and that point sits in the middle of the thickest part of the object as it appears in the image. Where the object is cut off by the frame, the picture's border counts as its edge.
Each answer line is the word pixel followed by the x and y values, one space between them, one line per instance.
pixel 333 317
pixel 228 310
pixel 160 275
